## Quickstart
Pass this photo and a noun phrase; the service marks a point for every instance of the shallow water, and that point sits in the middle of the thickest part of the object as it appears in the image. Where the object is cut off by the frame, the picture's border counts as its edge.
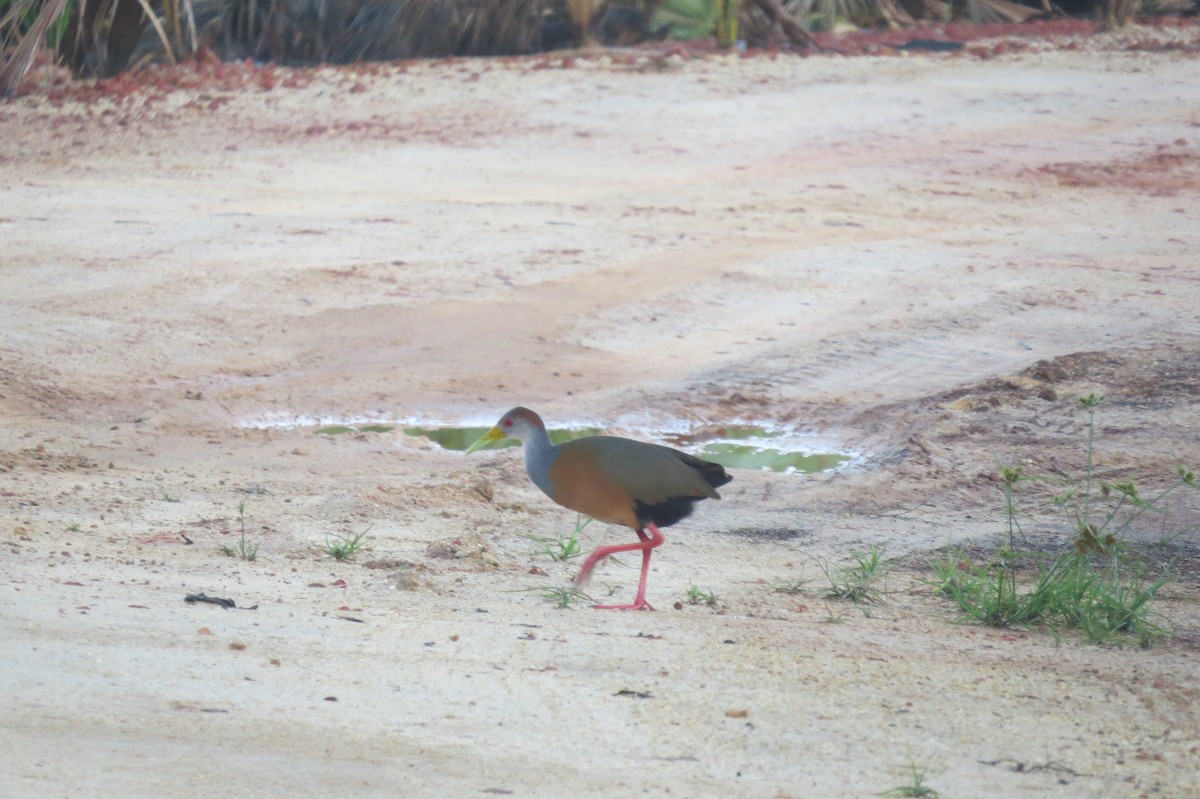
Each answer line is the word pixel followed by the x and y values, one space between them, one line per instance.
pixel 735 447
pixel 741 446
pixel 459 438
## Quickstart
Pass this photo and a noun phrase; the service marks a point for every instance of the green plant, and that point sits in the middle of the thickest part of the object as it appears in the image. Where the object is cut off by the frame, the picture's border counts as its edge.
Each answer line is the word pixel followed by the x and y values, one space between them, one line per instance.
pixel 562 547
pixel 165 496
pixel 689 19
pixel 1101 585
pixel 824 15
pixel 915 786
pixel 242 550
pixel 989 593
pixel 792 586
pixel 727 23
pixel 1010 476
pixel 697 596
pixel 563 596
pixel 858 582
pixel 344 547
pixel 1103 532
pixel 833 617
pixel 1068 590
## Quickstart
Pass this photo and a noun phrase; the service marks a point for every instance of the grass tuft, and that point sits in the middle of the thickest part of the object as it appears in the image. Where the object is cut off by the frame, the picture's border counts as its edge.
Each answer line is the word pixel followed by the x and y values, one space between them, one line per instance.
pixel 343 548
pixel 701 596
pixel 561 547
pixel 563 596
pixel 915 787
pixel 795 586
pixel 859 581
pixel 242 550
pixel 833 617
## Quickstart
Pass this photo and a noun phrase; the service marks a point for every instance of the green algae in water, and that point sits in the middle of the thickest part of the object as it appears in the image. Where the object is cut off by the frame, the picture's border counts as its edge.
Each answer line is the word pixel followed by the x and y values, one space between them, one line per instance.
pixel 334 430
pixel 717 445
pixel 459 438
pixel 338 429
pixel 744 456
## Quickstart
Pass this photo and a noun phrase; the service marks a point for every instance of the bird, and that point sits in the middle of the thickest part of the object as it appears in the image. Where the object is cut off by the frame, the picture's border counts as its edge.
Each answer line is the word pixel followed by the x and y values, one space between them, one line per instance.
pixel 615 480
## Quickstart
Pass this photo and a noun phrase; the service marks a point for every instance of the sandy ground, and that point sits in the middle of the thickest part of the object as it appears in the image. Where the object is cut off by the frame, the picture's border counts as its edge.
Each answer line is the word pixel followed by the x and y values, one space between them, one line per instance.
pixel 924 260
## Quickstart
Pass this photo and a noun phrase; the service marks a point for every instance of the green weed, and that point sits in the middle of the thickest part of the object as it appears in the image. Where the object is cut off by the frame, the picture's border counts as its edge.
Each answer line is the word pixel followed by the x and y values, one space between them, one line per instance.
pixel 242 550
pixel 342 547
pixel 563 596
pixel 859 581
pixel 561 547
pixel 700 596
pixel 915 787
pixel 833 617
pixel 1100 586
pixel 796 586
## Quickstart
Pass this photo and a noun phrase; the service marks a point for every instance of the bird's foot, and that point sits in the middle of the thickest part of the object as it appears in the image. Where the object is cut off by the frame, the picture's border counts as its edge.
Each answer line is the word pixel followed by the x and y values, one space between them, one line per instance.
pixel 635 605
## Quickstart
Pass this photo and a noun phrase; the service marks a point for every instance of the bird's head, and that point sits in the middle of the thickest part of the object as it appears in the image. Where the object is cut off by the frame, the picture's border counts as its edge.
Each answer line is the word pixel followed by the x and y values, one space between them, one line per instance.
pixel 519 423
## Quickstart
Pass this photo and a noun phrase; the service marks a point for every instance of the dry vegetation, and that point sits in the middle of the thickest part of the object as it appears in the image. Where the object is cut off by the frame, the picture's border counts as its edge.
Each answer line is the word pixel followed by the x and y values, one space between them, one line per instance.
pixel 104 37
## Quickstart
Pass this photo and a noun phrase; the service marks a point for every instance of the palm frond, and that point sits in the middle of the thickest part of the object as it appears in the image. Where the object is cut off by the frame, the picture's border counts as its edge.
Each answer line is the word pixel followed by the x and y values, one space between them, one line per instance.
pixel 16 64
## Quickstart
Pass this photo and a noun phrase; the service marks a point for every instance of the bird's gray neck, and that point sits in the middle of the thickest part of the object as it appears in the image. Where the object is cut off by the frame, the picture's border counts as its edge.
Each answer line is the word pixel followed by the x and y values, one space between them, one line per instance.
pixel 539 454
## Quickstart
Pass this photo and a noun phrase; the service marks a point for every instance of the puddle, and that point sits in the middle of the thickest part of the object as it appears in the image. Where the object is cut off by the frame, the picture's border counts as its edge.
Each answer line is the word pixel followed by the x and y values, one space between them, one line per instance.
pixel 338 429
pixel 734 446
pixel 747 456
pixel 459 438
pixel 755 447
pixel 740 446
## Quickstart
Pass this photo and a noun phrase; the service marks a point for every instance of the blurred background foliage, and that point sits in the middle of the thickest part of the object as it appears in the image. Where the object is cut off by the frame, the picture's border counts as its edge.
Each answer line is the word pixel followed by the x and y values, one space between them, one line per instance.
pixel 103 37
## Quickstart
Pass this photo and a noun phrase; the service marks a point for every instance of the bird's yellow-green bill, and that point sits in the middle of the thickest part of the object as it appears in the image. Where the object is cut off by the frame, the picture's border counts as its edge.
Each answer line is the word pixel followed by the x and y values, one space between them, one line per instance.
pixel 495 434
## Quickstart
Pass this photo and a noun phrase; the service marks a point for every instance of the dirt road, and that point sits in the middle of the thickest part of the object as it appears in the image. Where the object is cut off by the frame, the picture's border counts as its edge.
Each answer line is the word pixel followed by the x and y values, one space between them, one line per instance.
pixel 923 260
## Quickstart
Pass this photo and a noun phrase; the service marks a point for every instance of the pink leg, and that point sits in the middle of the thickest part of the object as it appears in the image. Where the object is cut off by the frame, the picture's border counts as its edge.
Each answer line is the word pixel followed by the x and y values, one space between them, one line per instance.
pixel 646 544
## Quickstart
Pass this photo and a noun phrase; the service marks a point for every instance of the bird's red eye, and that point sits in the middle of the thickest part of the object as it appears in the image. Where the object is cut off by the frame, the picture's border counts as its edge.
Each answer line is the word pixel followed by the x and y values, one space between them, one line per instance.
pixel 508 422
